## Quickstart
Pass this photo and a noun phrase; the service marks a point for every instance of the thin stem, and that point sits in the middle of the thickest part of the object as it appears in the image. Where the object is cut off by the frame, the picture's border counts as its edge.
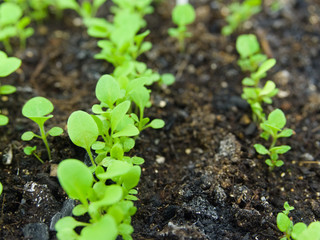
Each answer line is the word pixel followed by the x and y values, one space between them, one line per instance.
pixel 36 155
pixel 44 138
pixel 90 156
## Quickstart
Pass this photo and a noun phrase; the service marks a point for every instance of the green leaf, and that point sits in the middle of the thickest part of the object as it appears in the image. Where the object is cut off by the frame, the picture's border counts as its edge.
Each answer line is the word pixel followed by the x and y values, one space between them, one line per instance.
pixel 117 151
pixel 183 14
pixel 280 149
pixel 283 222
pixel 104 229
pixel 115 169
pixel 269 163
pixel 297 229
pixel 285 133
pixel 248 82
pixel 75 178
pixel 268 88
pixel 128 131
pixel 137 160
pixel 27 136
pixel 132 177
pixel 125 229
pixel 82 129
pixel 157 123
pixel 3 120
pixel 67 223
pixel 167 79
pixel 55 131
pixel 8 64
pixel 261 149
pixel 311 233
pixel 247 45
pixel 277 119
pixel 1 188
pixel 118 113
pixel 29 150
pixel 7 89
pixel 279 163
pixel 37 107
pixel 141 97
pixel 108 90
pixel 128 144
pixel 79 210
pixel 264 67
pixel 9 13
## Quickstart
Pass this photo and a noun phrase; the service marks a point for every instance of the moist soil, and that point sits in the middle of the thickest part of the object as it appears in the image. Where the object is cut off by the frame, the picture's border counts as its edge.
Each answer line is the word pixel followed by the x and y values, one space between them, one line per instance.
pixel 202 178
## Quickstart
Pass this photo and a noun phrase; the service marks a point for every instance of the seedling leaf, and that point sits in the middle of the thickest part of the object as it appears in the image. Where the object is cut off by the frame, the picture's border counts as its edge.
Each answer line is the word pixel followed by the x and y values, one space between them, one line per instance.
pixel 27 136
pixel 247 45
pixel 7 89
pixel 75 178
pixel 82 129
pixel 108 90
pixel 283 222
pixel 55 131
pixel 115 169
pixel 261 149
pixel 183 14
pixel 37 107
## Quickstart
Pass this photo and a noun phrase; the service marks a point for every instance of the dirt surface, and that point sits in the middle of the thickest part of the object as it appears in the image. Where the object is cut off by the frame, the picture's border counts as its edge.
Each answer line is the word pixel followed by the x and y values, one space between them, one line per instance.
pixel 202 178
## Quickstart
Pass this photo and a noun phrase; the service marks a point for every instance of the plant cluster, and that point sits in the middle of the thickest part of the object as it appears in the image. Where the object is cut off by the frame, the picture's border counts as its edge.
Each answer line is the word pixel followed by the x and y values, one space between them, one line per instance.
pixel 12 24
pixel 38 109
pixel 106 188
pixel 252 60
pixel 7 66
pixel 182 15
pixel 297 231
pixel 239 13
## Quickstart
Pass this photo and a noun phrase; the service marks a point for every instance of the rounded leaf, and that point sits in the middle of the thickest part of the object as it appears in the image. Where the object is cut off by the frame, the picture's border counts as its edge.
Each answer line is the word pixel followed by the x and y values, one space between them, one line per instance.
pixel 7 89
pixel 261 149
pixel 82 129
pixel 3 120
pixel 105 229
pixel 8 64
pixel 108 90
pixel 297 229
pixel 157 123
pixel 37 107
pixel 9 13
pixel 183 14
pixel 55 131
pixel 75 178
pixel 29 150
pixel 283 222
pixel 1 188
pixel 27 136
pixel 247 45
pixel 277 119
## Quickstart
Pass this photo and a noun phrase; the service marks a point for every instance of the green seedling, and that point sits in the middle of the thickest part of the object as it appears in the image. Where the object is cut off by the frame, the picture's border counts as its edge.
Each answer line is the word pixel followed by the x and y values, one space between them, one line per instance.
pixel 298 231
pixel 182 15
pixel 250 54
pixel 273 127
pixel 1 188
pixel 38 109
pixel 7 66
pixel 239 13
pixel 12 25
pixel 83 131
pixel 255 95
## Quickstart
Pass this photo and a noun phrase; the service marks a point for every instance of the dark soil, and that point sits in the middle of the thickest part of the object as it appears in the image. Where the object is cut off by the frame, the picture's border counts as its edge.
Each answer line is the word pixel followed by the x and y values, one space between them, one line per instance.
pixel 202 178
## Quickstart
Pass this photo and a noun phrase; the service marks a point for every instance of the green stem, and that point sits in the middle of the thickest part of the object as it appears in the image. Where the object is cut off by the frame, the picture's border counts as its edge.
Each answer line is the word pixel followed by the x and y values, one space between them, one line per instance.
pixel 90 156
pixel 7 45
pixel 36 155
pixel 44 138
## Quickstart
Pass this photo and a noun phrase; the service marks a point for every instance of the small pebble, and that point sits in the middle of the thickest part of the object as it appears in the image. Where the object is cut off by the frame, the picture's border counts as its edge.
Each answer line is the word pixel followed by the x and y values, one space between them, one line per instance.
pixel 160 159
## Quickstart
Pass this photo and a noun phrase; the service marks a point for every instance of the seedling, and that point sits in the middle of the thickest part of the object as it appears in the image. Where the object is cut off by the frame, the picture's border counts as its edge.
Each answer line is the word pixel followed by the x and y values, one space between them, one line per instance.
pixel 11 25
pixel 250 54
pixel 7 66
pixel 37 110
pixel 273 127
pixel 298 231
pixel 182 15
pixel 239 13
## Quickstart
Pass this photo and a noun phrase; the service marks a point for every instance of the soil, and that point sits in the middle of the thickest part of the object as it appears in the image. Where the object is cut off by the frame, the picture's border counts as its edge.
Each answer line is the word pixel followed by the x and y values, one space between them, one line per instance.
pixel 202 178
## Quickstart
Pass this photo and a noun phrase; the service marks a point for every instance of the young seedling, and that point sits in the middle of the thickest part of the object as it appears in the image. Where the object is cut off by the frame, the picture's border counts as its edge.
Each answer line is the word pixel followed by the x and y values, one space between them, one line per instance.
pixel 7 66
pixel 11 25
pixel 182 15
pixel 239 13
pixel 37 110
pixel 273 127
pixel 251 57
pixel 298 231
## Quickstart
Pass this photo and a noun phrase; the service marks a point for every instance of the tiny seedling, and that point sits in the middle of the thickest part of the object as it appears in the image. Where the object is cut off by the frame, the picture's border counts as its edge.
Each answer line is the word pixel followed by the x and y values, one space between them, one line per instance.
pixel 273 127
pixel 7 66
pixel 37 110
pixel 12 25
pixel 298 231
pixel 239 13
pixel 182 15
pixel 248 47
